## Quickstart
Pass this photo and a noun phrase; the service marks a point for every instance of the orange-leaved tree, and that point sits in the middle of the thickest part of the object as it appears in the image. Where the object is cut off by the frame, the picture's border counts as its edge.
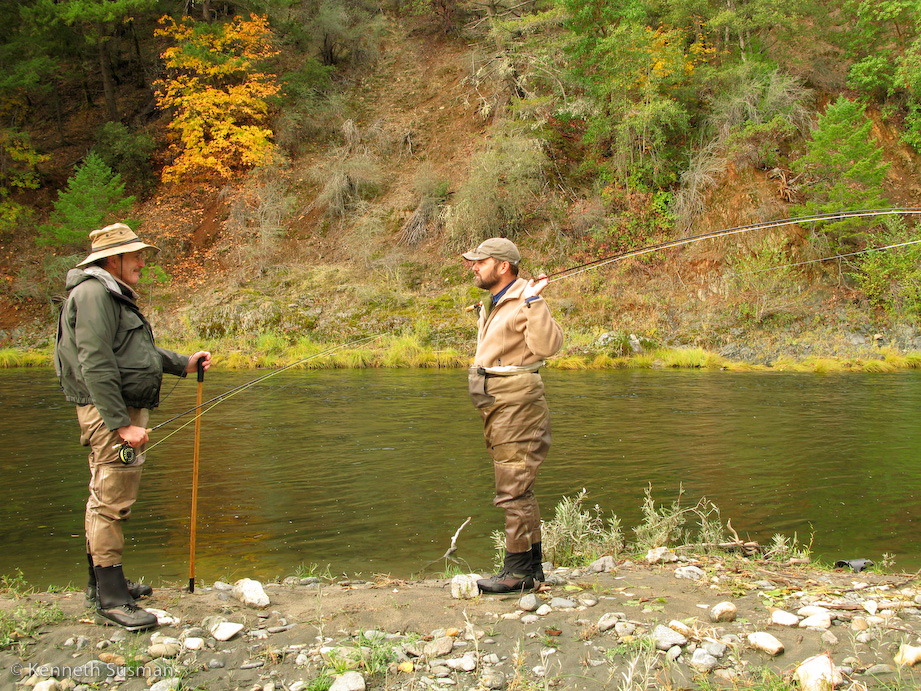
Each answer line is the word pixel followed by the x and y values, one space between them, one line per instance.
pixel 218 89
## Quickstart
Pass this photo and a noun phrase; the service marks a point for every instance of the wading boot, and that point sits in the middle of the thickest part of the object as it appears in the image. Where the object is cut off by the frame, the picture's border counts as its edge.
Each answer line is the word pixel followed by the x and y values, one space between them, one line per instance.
pixel 537 558
pixel 516 575
pixel 114 604
pixel 136 590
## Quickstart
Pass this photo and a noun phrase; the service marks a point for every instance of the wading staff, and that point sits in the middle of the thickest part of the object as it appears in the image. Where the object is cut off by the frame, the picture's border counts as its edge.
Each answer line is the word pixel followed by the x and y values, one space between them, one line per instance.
pixel 194 518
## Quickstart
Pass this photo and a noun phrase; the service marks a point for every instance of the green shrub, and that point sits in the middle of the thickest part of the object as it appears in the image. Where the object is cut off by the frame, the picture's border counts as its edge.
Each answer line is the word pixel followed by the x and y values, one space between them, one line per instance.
pixel 128 154
pixel 94 198
pixel 575 536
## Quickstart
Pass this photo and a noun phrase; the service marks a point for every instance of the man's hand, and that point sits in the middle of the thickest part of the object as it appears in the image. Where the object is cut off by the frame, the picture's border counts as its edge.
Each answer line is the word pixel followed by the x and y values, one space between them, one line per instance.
pixel 533 289
pixel 192 367
pixel 133 435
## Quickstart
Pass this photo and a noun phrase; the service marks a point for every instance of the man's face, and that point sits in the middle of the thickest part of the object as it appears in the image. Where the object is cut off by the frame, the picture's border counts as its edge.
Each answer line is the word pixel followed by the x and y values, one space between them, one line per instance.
pixel 486 273
pixel 127 267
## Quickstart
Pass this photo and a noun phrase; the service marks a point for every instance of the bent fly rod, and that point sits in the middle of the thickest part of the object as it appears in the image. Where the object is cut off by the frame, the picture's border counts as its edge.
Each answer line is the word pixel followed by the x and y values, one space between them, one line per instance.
pixel 834 216
pixel 668 244
pixel 127 453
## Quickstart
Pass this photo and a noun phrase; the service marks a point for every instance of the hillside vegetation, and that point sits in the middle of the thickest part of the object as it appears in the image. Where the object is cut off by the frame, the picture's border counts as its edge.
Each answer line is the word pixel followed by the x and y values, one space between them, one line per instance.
pixel 312 170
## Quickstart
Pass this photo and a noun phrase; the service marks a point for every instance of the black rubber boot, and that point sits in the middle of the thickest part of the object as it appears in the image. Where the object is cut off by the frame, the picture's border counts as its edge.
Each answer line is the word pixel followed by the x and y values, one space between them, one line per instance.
pixel 136 590
pixel 114 604
pixel 516 575
pixel 537 558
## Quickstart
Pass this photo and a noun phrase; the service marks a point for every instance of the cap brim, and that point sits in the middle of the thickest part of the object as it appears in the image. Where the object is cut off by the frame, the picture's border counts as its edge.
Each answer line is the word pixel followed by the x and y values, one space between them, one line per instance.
pixel 474 257
pixel 121 249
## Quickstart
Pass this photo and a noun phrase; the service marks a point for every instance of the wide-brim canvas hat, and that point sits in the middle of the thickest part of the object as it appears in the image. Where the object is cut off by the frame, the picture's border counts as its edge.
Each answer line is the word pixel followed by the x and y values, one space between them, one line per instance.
pixel 502 249
pixel 114 239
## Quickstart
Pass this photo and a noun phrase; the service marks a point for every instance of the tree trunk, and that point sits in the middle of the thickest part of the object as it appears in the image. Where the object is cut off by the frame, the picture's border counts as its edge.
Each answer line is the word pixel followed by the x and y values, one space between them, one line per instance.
pixel 108 80
pixel 139 59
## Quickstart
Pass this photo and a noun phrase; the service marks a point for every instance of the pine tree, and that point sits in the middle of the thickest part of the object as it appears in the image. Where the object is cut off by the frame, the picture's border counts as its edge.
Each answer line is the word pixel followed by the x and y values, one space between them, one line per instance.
pixel 94 197
pixel 845 167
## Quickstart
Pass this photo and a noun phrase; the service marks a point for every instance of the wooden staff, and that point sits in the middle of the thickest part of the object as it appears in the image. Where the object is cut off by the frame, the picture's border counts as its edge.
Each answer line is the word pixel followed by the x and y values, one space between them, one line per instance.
pixel 194 519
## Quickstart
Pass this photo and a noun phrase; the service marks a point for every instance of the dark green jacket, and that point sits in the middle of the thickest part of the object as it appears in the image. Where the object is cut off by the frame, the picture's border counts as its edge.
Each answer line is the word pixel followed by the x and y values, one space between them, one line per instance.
pixel 105 353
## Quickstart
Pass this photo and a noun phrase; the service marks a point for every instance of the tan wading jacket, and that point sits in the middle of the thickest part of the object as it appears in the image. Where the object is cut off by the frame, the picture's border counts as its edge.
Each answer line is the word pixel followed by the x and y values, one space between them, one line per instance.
pixel 105 353
pixel 516 333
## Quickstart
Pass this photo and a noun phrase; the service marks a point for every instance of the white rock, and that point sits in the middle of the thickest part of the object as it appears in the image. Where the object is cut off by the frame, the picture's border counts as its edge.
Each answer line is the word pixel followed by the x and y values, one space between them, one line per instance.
pixel 608 621
pixel 529 618
pixel 603 565
pixel 529 602
pixel 810 610
pixel 690 572
pixel 250 593
pixel 624 628
pixel 220 585
pixel 163 618
pixel 816 621
pixel 660 555
pixel 702 661
pixel 467 663
pixel 871 607
pixel 47 685
pixel 439 647
pixel 350 681
pixel 782 618
pixel 908 655
pixel 715 648
pixel 226 630
pixel 464 587
pixel 723 611
pixel 665 637
pixel 818 673
pixel 765 642
pixel 171 684
pixel 680 627
pixel 544 610
pixel 194 643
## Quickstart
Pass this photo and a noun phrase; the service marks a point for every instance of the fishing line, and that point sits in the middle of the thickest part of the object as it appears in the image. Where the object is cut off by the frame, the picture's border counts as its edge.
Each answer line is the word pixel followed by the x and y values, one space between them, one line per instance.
pixel 839 215
pixel 128 454
pixel 237 389
pixel 825 259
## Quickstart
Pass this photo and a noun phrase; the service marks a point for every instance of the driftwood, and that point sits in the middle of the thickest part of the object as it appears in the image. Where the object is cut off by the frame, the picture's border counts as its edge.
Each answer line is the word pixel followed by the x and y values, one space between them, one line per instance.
pixel 453 548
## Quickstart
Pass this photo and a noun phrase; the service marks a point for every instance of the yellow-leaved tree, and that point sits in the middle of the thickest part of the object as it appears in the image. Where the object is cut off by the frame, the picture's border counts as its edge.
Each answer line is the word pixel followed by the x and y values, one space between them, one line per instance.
pixel 218 89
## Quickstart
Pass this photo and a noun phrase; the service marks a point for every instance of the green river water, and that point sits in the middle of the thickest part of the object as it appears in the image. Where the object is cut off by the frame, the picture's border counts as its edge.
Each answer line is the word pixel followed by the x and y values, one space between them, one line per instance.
pixel 372 471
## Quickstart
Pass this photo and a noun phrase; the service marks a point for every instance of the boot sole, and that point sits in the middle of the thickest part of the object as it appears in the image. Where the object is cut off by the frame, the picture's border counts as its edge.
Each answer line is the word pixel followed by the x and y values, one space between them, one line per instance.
pixel 105 621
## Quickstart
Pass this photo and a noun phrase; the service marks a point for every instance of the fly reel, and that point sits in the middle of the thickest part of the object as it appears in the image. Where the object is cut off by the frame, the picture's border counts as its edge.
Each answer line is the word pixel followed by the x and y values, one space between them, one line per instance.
pixel 127 454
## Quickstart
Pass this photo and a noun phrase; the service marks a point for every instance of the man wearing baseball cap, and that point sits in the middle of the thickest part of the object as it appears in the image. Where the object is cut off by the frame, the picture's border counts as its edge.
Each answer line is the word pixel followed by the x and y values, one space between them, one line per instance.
pixel 515 332
pixel 109 366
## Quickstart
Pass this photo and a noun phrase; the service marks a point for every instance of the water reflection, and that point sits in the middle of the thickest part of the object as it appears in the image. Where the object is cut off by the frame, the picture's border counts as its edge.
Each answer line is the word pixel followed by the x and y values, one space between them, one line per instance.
pixel 373 471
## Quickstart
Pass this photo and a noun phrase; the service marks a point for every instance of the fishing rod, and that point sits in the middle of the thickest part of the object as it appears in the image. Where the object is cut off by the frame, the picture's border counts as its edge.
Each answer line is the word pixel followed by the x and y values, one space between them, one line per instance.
pixel 834 216
pixel 127 454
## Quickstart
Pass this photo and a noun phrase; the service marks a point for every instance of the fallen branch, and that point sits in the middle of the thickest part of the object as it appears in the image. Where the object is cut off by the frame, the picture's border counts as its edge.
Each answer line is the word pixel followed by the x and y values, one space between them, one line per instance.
pixel 453 548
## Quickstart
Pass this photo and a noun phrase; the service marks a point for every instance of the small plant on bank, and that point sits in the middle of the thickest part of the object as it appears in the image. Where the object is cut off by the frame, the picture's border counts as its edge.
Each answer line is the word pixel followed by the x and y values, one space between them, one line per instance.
pixel 23 621
pixel 313 570
pixel 575 536
pixel 15 585
pixel 783 548
pixel 661 526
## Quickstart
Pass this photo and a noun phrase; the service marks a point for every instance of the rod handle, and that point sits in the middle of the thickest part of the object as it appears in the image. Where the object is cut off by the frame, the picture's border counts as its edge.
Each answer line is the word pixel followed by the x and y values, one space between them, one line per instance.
pixel 200 365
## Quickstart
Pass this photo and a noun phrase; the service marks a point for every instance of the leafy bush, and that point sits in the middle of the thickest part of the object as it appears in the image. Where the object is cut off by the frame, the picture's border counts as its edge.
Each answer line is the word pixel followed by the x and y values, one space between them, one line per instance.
pixel 495 198
pixel 575 536
pixel 892 278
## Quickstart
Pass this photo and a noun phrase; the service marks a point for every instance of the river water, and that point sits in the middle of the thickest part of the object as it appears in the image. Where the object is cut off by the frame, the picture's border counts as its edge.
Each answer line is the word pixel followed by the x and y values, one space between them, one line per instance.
pixel 372 471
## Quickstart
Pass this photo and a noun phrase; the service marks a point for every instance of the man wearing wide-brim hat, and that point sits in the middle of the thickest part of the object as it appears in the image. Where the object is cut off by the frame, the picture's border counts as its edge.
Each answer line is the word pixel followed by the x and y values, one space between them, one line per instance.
pixel 515 332
pixel 110 367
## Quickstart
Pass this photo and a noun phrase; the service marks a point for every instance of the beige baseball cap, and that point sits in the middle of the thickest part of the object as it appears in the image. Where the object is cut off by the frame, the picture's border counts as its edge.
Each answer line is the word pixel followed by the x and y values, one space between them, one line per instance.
pixel 114 239
pixel 498 248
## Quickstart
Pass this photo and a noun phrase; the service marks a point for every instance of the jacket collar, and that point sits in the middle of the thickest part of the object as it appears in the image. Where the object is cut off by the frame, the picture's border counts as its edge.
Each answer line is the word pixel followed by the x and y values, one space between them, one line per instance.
pixel 113 284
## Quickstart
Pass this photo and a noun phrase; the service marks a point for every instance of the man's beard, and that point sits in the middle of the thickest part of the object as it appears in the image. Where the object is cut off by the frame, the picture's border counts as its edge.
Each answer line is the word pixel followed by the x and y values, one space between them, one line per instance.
pixel 486 281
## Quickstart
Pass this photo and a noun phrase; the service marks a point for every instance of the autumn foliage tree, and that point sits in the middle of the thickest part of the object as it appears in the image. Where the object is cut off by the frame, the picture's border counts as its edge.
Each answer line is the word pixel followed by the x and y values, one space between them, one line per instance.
pixel 219 91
